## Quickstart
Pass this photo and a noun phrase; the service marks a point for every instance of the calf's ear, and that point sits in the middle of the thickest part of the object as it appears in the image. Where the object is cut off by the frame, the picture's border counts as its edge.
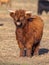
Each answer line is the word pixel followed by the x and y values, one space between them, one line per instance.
pixel 12 13
pixel 30 19
pixel 28 16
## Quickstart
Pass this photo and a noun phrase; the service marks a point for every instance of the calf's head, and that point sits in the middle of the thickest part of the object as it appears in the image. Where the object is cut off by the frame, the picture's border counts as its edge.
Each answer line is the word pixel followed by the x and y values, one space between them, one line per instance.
pixel 21 17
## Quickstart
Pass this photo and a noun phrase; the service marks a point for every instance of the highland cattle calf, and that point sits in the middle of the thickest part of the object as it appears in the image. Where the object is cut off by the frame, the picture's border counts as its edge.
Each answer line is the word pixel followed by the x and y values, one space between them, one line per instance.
pixel 29 31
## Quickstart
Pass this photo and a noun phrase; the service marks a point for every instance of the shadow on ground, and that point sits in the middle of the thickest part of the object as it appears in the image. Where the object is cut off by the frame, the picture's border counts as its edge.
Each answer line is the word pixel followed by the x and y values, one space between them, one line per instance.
pixel 1 24
pixel 43 51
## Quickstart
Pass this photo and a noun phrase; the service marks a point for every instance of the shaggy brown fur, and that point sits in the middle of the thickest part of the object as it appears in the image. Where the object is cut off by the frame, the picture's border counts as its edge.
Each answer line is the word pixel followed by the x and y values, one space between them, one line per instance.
pixel 29 31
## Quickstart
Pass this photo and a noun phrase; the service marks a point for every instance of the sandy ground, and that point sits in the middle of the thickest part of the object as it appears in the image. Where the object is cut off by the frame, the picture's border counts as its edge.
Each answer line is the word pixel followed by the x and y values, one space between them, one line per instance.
pixel 9 50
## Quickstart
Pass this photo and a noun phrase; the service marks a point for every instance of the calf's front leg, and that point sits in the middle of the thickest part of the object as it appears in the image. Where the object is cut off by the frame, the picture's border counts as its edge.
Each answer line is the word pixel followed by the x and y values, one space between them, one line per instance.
pixel 29 45
pixel 22 51
pixel 28 50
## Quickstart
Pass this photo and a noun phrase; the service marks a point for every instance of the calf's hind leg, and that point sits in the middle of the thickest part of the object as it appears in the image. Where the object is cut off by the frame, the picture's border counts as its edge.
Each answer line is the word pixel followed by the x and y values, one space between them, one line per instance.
pixel 36 49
